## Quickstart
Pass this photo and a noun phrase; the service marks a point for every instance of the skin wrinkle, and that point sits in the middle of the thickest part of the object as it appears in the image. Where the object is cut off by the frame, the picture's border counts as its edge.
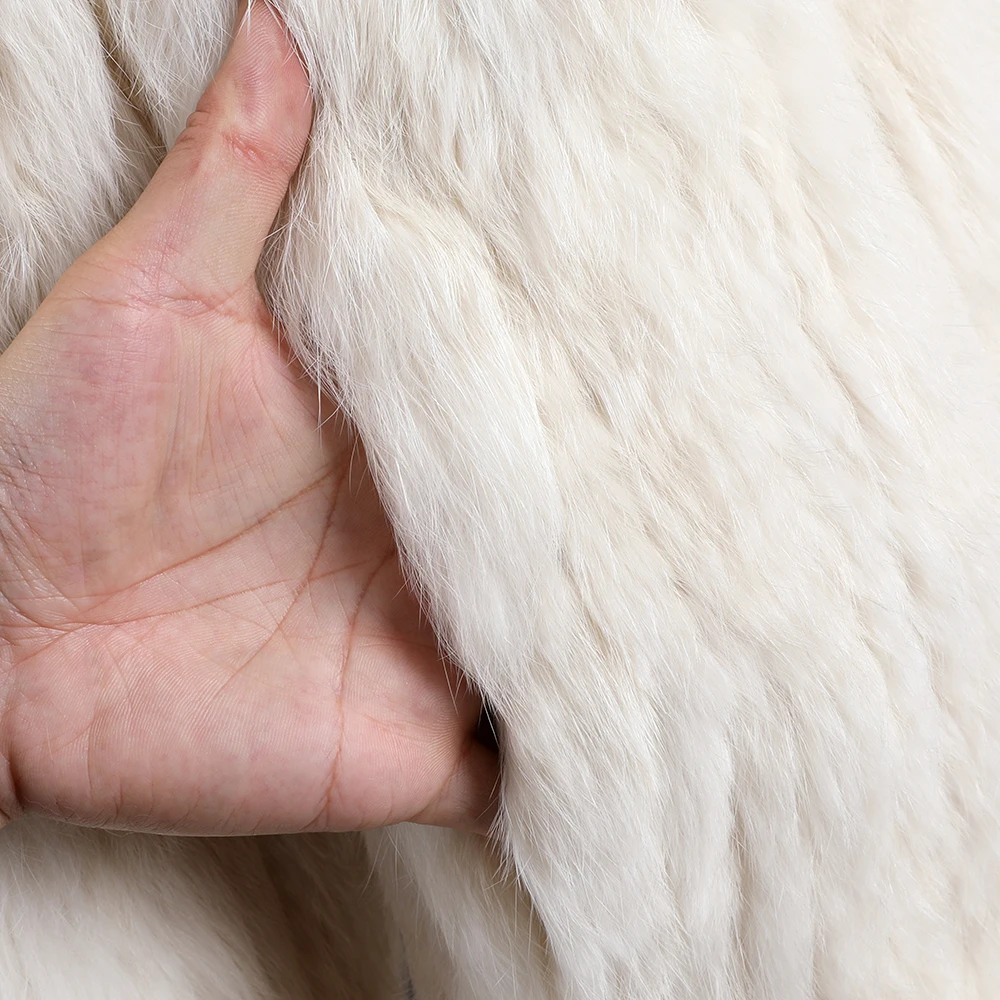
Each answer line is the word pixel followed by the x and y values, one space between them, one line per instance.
pixel 214 549
pixel 296 594
pixel 94 725
pixel 187 303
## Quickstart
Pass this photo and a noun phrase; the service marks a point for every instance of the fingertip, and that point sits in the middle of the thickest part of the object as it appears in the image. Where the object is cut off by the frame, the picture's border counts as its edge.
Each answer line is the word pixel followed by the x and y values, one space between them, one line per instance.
pixel 270 104
pixel 470 801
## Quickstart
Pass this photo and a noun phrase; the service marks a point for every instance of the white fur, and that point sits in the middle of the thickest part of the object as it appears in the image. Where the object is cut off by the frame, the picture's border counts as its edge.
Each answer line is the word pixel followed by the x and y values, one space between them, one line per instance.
pixel 673 332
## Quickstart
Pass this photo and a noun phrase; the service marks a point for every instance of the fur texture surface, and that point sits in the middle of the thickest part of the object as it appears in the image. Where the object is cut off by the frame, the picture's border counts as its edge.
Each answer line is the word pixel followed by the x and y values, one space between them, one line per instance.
pixel 672 330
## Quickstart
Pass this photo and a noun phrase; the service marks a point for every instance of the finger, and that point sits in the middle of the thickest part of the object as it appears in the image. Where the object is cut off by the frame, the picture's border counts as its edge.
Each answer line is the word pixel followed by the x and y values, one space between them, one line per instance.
pixel 409 751
pixel 467 757
pixel 200 226
pixel 469 799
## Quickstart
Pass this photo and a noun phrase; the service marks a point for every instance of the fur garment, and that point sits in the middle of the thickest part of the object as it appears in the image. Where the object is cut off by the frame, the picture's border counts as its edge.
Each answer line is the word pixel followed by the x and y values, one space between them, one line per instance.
pixel 672 331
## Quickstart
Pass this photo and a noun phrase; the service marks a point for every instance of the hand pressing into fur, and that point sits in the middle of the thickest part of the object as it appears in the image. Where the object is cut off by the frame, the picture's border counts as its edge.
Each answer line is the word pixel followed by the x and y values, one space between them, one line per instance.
pixel 203 623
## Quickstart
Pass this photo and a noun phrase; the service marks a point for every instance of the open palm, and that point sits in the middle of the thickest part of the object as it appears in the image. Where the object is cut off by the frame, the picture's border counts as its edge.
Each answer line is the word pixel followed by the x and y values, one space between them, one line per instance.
pixel 204 625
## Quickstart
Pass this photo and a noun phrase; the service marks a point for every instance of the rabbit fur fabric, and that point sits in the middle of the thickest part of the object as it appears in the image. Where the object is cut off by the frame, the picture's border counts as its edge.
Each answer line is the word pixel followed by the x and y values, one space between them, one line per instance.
pixel 672 330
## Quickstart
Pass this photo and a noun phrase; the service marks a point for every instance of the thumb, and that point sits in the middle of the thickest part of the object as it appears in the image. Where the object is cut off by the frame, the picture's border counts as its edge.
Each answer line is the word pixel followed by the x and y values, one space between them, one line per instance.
pixel 199 228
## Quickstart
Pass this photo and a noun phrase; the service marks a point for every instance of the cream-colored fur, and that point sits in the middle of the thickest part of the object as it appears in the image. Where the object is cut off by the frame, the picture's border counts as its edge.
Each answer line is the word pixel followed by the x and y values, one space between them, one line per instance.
pixel 672 328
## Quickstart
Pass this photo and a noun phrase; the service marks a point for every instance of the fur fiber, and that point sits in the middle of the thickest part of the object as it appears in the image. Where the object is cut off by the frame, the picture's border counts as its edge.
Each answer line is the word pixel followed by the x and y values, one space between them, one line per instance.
pixel 672 329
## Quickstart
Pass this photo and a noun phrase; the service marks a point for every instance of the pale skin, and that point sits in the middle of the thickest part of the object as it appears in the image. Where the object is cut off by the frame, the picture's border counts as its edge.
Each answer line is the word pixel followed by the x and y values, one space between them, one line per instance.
pixel 204 625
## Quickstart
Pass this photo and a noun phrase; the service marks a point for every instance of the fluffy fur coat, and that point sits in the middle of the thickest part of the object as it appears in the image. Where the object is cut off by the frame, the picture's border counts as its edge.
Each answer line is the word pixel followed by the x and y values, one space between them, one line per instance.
pixel 672 328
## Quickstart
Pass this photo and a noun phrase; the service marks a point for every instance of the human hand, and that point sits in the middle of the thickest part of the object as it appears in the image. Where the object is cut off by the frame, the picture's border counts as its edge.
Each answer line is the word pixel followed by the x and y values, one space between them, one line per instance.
pixel 204 626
